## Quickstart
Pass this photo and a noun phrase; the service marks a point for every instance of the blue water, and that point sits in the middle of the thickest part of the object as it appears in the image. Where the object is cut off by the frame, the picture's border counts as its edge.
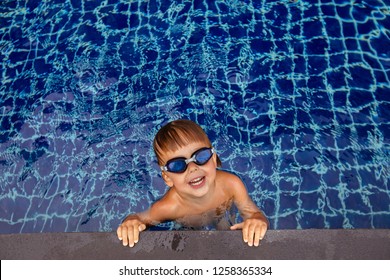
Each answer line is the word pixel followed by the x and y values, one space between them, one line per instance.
pixel 294 95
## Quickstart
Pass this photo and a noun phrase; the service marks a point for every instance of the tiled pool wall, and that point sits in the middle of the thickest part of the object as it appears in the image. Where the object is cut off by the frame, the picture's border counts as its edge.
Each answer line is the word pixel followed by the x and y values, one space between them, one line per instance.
pixel 293 94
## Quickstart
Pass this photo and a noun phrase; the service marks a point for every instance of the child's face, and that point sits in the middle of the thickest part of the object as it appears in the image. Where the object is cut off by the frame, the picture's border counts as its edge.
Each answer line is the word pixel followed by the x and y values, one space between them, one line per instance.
pixel 196 180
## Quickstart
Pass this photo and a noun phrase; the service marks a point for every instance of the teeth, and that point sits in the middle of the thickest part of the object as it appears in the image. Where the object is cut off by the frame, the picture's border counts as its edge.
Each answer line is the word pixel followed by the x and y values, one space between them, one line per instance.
pixel 196 181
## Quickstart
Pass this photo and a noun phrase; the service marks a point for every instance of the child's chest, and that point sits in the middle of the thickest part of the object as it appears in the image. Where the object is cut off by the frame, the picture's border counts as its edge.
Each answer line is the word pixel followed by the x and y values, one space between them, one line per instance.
pixel 216 216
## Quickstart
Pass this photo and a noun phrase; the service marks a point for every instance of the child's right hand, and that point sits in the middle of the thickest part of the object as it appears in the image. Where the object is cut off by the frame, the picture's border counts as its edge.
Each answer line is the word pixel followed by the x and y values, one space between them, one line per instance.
pixel 129 231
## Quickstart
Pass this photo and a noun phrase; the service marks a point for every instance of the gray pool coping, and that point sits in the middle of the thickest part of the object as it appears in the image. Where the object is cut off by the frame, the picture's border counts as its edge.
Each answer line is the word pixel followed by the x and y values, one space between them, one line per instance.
pixel 311 244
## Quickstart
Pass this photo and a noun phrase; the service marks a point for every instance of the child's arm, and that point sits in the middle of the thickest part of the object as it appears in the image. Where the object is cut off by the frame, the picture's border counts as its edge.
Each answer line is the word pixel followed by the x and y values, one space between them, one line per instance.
pixel 255 223
pixel 129 230
pixel 131 227
pixel 253 229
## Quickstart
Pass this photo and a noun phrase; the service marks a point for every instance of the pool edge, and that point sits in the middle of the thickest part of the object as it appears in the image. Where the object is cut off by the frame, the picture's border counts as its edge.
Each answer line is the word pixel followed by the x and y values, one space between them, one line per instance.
pixel 311 244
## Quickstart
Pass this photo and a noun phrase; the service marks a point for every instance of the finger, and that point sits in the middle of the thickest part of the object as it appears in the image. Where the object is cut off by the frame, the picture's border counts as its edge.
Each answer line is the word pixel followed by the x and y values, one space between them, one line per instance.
pixel 130 236
pixel 245 234
pixel 237 226
pixel 263 231
pixel 119 232
pixel 251 233
pixel 257 237
pixel 135 235
pixel 141 227
pixel 124 236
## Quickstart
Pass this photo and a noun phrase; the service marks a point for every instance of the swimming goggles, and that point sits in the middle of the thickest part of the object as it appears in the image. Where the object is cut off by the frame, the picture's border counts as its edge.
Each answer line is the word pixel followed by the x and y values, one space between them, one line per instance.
pixel 179 165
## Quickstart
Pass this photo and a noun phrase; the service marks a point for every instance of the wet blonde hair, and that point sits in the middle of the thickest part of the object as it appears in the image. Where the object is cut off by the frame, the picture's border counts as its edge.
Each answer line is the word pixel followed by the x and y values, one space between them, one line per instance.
pixel 177 134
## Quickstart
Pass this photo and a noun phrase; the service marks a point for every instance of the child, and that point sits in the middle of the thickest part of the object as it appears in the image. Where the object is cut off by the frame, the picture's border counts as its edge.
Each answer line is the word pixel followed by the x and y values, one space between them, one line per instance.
pixel 197 190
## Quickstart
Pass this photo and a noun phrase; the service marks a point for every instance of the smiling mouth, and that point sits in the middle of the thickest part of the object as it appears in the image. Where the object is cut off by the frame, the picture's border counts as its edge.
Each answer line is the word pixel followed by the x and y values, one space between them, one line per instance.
pixel 197 182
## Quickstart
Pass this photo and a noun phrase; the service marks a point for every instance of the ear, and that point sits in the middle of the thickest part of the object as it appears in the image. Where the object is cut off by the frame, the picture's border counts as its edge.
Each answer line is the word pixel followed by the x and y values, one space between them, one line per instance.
pixel 167 179
pixel 215 159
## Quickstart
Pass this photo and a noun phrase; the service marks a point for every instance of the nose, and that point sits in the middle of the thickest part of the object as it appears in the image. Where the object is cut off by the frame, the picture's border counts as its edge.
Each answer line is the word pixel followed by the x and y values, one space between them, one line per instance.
pixel 192 166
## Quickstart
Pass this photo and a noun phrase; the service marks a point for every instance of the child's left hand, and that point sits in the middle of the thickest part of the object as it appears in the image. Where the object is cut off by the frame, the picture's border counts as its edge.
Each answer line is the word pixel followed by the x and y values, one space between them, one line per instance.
pixel 253 230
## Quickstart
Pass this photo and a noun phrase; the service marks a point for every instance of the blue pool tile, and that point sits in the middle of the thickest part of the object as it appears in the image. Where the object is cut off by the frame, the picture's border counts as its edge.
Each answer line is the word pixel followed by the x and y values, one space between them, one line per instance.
pixel 334 200
pixel 269 204
pixel 315 82
pixel 322 116
pixel 317 47
pixel 344 118
pixel 363 116
pixel 354 202
pixel 336 220
pixel 288 201
pixel 333 29
pixel 358 220
pixel 287 185
pixel 384 110
pixel 57 225
pixel 310 200
pixel 380 221
pixel 310 180
pixel 327 141
pixel 385 131
pixel 352 44
pixel 287 139
pixel 379 201
pixel 328 10
pixel 309 218
pixel 288 221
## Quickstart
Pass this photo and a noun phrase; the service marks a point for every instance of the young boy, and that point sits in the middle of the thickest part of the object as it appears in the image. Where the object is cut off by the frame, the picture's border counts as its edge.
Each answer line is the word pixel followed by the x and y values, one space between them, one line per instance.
pixel 197 191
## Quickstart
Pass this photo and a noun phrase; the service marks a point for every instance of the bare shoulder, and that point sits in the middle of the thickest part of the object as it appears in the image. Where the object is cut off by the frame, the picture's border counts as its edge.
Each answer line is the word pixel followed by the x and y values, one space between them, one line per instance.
pixel 231 182
pixel 237 190
pixel 163 210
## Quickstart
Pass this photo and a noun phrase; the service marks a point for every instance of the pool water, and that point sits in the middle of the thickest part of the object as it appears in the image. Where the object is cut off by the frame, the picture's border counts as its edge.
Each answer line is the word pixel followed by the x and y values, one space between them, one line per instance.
pixel 294 95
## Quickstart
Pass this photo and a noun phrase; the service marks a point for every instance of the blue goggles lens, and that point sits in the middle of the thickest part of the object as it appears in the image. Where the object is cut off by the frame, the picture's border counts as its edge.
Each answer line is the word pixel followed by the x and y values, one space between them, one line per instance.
pixel 179 165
